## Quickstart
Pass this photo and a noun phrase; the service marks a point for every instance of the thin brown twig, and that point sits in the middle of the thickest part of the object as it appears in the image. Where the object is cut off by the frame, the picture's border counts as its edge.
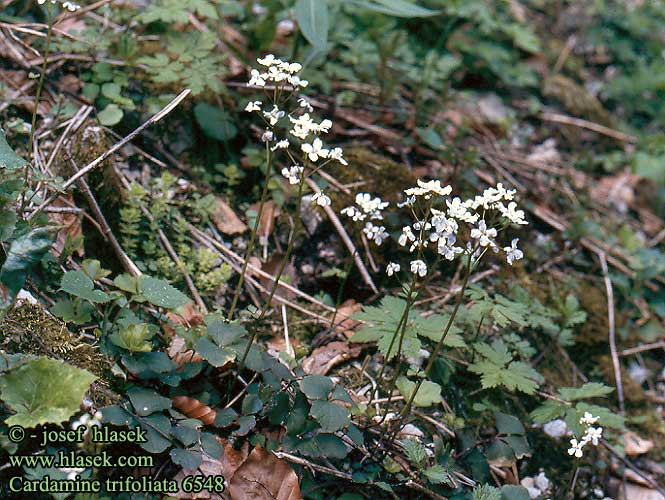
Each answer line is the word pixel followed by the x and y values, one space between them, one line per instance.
pixel 612 331
pixel 595 127
pixel 97 161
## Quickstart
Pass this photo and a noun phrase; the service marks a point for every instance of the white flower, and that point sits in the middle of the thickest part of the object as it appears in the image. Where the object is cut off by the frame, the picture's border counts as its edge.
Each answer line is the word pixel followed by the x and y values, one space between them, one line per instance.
pixel 297 82
pixel 253 106
pixel 371 206
pixel 283 144
pixel 418 267
pixel 407 235
pixel 408 202
pixel 274 115
pixel 72 7
pixel 575 448
pixel 446 247
pixel 269 60
pixel 315 150
pixel 593 434
pixel 392 268
pixel 293 174
pixel 353 213
pixel 290 67
pixel 375 233
pixel 443 224
pixel 512 252
pixel 257 79
pixel 428 188
pixel 542 482
pixel 483 235
pixel 320 199
pixel 336 154
pixel 304 103
pixel 588 419
pixel 457 210
pixel 302 126
pixel 267 136
pixel 515 216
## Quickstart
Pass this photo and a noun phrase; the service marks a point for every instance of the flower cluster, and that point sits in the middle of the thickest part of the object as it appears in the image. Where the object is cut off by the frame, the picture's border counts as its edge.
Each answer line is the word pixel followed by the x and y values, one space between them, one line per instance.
pixel 70 6
pixel 300 127
pixel 591 435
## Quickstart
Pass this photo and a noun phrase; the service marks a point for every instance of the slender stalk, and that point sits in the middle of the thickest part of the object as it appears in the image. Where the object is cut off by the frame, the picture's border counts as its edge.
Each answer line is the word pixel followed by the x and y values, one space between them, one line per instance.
pixel 38 95
pixel 437 349
pixel 278 275
pixel 252 238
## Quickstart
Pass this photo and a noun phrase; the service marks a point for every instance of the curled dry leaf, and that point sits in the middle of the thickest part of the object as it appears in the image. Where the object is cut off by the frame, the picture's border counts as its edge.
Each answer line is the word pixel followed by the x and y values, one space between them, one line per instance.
pixel 194 408
pixel 264 477
pixel 179 353
pixel 325 357
pixel 635 445
pixel 226 219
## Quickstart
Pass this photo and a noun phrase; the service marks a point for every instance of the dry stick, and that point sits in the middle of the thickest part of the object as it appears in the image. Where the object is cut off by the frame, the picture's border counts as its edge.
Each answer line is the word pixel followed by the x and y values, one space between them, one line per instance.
pixel 578 122
pixel 642 348
pixel 345 238
pixel 126 262
pixel 612 331
pixel 230 253
pixel 74 124
pixel 92 165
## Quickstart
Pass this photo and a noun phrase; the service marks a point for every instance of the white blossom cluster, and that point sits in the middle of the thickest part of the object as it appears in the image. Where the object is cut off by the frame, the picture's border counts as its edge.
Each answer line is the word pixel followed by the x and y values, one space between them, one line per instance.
pixel 300 128
pixel 591 435
pixel 438 222
pixel 70 6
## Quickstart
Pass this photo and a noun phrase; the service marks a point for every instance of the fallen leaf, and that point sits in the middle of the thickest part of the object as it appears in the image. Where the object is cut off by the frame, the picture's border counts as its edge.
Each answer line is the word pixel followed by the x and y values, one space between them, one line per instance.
pixel 325 357
pixel 635 445
pixel 179 353
pixel 269 213
pixel 70 225
pixel 344 323
pixel 264 477
pixel 617 190
pixel 189 316
pixel 633 492
pixel 194 408
pixel 226 219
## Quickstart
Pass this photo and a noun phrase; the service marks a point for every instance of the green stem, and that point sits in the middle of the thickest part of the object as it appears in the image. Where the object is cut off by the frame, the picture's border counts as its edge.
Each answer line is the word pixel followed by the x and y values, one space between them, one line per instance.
pixel 252 238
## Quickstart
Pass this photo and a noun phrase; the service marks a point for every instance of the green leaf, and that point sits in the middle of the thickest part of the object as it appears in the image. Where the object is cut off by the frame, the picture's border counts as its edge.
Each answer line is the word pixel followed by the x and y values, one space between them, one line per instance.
pixel 510 492
pixel 158 428
pixel 44 391
pixel 160 293
pixel 73 311
pixel 78 284
pixel 438 474
pixel 587 391
pixel 316 386
pixel 127 283
pixel 188 459
pixel 225 417
pixel 415 451
pixel 331 416
pixel 428 394
pixel 8 158
pixel 507 424
pixel 498 369
pixel 110 115
pixel 214 122
pixel 312 17
pixel 217 356
pixel 147 402
pixel 22 255
pixel 398 8
pixel 134 338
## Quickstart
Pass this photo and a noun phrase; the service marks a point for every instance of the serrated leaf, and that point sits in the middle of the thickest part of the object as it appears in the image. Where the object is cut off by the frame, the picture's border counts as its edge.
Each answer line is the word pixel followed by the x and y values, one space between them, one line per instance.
pixel 44 391
pixel 497 369
pixel 587 391
pixel 415 451
pixel 428 394
pixel 438 474
pixel 331 416
pixel 78 284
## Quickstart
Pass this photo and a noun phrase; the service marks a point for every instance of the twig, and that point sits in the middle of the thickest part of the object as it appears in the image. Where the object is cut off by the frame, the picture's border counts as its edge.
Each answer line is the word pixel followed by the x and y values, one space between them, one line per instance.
pixel 612 332
pixel 345 238
pixel 578 122
pixel 642 348
pixel 434 422
pixel 127 263
pixel 311 465
pixel 73 124
pixel 92 165
pixel 637 471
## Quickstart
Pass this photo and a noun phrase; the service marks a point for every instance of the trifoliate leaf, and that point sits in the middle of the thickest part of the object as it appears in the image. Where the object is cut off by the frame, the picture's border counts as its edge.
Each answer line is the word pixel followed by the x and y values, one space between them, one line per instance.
pixel 44 391
pixel 428 394
pixel 499 369
pixel 331 416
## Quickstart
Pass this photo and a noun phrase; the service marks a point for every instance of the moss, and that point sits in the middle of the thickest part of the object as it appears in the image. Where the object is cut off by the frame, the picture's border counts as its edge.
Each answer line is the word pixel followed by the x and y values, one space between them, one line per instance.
pixel 29 329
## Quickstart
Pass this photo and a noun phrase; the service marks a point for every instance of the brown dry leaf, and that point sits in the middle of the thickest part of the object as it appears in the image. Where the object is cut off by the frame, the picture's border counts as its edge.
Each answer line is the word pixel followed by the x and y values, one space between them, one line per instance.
pixel 344 323
pixel 194 408
pixel 633 492
pixel 635 445
pixel 70 225
pixel 269 213
pixel 325 357
pixel 226 219
pixel 189 317
pixel 617 190
pixel 179 353
pixel 264 477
